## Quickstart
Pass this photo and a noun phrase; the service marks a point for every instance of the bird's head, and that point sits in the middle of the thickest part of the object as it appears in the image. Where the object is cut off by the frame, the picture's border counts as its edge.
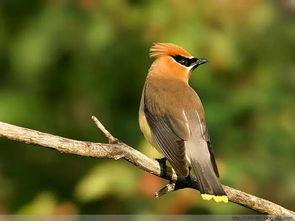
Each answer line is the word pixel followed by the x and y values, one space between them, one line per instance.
pixel 174 61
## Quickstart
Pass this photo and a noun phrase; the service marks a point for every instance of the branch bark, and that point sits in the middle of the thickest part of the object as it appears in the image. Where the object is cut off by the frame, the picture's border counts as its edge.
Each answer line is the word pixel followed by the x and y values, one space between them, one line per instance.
pixel 119 150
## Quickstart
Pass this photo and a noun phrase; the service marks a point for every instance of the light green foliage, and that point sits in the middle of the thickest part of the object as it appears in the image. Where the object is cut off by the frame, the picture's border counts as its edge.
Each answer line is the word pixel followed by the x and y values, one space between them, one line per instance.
pixel 63 61
pixel 101 182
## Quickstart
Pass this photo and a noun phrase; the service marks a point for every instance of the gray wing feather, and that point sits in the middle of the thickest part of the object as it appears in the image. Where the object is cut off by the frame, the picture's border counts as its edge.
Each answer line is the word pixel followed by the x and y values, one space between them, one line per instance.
pixel 171 144
pixel 202 129
pixel 180 127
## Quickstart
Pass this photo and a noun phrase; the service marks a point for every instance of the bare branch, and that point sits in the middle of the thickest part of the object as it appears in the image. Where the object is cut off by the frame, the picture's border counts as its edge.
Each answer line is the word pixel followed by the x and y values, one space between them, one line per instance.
pixel 120 150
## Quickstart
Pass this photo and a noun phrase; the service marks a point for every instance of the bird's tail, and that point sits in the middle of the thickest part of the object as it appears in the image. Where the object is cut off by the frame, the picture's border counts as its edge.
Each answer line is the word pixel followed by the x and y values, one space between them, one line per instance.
pixel 210 186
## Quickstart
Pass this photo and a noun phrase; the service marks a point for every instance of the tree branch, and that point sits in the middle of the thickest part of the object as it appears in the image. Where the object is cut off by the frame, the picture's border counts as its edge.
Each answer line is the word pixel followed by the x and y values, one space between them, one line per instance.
pixel 118 150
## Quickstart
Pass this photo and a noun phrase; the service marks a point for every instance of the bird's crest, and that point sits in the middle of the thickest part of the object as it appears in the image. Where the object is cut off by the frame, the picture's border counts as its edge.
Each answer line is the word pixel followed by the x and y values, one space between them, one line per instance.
pixel 160 49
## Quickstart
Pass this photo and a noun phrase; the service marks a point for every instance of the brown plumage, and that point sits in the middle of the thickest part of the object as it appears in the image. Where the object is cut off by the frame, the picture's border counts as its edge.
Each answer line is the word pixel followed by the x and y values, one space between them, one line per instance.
pixel 172 117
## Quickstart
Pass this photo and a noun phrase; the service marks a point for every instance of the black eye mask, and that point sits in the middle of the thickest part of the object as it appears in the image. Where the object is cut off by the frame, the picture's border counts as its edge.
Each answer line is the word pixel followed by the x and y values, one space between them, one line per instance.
pixel 184 60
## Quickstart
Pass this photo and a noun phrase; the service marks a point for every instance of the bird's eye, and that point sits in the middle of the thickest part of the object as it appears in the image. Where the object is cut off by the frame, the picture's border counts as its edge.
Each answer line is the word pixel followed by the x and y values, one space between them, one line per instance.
pixel 182 60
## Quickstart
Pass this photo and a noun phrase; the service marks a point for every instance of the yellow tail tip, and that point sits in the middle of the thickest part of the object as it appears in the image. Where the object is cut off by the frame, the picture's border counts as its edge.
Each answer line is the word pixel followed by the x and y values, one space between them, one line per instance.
pixel 216 198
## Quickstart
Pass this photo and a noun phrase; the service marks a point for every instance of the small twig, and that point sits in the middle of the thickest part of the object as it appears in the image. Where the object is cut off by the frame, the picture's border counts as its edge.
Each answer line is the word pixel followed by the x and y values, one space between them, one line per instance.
pixel 111 138
pixel 166 189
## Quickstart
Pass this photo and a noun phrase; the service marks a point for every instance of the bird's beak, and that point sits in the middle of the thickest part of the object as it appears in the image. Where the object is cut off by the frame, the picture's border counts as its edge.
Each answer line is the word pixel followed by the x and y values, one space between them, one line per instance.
pixel 198 62
pixel 201 61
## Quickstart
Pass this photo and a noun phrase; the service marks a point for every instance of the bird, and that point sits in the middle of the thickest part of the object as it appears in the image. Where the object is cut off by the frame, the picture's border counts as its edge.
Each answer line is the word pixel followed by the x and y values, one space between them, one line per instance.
pixel 172 118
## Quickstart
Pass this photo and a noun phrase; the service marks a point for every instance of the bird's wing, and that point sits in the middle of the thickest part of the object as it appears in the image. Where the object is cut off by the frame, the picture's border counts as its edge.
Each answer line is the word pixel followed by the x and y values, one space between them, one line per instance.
pixel 169 132
pixel 213 161
pixel 197 118
pixel 200 155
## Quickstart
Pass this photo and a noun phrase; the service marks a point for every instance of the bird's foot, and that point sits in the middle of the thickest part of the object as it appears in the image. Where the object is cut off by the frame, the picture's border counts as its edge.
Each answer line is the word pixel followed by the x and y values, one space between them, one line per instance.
pixel 162 162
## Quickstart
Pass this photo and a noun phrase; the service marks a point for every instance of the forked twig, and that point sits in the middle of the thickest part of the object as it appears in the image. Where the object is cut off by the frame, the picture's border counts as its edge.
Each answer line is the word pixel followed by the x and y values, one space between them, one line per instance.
pixel 111 138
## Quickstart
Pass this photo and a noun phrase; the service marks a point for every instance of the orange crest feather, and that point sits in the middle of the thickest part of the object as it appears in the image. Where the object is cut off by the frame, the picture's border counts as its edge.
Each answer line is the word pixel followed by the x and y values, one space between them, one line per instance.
pixel 160 49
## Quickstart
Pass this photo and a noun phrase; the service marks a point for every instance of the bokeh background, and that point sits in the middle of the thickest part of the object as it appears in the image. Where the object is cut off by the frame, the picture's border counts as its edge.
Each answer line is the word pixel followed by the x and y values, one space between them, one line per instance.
pixel 63 61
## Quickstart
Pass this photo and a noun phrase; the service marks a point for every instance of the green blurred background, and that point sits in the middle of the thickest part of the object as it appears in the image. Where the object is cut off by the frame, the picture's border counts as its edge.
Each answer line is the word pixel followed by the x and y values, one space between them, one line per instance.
pixel 63 61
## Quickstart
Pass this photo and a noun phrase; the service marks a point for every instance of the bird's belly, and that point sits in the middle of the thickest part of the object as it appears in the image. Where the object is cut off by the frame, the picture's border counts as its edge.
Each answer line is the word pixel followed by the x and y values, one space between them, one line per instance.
pixel 147 132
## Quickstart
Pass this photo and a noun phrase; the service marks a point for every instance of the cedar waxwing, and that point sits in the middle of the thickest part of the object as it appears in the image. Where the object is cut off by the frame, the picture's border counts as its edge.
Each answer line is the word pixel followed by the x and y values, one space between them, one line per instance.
pixel 172 118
